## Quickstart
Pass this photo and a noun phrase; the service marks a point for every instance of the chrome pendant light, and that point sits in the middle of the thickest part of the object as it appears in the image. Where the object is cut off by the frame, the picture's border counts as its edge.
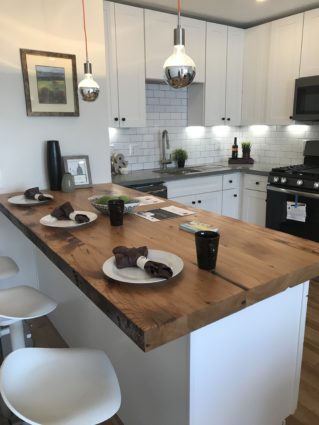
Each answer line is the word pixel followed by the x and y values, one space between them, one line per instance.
pixel 88 88
pixel 179 69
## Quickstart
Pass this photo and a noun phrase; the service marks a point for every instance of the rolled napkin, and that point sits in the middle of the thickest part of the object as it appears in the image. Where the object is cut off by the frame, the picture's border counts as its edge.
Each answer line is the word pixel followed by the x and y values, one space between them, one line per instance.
pixel 137 257
pixel 66 212
pixel 34 193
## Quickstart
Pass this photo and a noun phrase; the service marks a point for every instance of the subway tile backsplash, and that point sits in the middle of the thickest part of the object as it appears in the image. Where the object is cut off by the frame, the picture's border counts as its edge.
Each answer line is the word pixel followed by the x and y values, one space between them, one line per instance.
pixel 166 108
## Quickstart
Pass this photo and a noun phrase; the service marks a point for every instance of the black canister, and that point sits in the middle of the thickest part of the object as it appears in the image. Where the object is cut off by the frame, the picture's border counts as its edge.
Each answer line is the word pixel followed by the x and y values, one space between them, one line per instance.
pixel 54 164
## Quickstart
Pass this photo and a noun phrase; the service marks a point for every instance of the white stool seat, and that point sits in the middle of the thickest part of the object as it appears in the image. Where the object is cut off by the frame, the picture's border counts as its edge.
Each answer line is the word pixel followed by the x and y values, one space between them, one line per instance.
pixel 20 303
pixel 63 386
pixel 24 302
pixel 8 267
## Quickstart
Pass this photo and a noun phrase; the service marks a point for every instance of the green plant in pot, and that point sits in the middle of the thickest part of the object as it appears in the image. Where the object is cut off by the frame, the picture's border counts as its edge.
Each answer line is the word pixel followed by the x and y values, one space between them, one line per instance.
pixel 180 156
pixel 246 148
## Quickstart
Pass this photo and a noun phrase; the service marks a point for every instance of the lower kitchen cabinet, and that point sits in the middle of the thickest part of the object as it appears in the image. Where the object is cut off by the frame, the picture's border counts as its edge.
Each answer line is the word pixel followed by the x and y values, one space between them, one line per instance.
pixel 254 199
pixel 216 193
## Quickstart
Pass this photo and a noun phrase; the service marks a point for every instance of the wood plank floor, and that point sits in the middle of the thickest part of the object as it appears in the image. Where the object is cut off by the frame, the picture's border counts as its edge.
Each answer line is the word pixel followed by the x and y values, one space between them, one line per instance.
pixel 44 335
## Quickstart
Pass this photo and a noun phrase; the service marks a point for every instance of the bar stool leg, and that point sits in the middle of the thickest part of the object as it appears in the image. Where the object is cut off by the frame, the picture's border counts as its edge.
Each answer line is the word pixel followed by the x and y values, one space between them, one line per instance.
pixel 17 335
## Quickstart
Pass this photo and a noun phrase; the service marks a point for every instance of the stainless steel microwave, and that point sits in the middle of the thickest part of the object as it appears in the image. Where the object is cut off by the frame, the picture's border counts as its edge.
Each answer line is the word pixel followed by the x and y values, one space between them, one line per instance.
pixel 306 100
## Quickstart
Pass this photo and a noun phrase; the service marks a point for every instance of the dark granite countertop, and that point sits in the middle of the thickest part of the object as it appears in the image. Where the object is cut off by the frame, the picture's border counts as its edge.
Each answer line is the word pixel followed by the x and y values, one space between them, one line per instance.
pixel 155 176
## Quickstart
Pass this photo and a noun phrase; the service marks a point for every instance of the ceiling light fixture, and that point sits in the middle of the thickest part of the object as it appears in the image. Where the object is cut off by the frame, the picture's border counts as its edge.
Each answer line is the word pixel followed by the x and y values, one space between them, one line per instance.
pixel 88 88
pixel 179 69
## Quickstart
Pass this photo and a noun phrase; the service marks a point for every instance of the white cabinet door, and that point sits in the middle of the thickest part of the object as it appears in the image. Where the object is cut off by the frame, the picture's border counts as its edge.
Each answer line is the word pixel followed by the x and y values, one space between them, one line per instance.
pixel 284 61
pixel 125 54
pixel 254 207
pixel 235 47
pixel 231 203
pixel 159 42
pixel 219 101
pixel 255 74
pixel 309 64
pixel 210 201
pixel 215 87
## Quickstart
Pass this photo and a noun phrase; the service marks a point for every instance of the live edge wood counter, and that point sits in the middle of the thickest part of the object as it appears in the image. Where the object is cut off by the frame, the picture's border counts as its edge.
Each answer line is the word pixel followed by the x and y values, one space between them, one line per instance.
pixel 253 263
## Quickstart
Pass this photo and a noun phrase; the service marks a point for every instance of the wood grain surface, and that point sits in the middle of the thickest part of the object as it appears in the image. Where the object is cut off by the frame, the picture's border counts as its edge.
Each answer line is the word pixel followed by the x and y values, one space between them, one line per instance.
pixel 253 263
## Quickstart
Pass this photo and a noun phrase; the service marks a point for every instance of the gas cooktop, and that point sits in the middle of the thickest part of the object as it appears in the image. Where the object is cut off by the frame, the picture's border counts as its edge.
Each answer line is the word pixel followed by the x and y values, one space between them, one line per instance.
pixel 303 176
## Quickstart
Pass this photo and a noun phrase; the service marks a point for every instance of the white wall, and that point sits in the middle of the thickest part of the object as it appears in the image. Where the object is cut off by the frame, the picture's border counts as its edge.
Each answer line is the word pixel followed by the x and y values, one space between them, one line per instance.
pixel 49 25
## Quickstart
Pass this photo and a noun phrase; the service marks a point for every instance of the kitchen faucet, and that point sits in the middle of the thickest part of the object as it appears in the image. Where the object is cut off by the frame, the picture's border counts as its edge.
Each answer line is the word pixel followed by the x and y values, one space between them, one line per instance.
pixel 165 145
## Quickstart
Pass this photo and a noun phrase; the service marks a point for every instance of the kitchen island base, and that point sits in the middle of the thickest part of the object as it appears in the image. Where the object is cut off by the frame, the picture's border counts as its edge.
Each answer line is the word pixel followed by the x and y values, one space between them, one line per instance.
pixel 241 370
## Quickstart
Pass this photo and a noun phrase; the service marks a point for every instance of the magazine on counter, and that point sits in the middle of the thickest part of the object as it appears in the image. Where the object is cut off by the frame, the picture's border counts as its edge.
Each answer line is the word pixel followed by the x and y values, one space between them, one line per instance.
pixel 196 226
pixel 164 213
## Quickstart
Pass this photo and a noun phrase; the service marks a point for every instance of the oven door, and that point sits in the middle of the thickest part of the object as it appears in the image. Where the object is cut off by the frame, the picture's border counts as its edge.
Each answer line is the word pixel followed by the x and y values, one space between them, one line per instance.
pixel 292 211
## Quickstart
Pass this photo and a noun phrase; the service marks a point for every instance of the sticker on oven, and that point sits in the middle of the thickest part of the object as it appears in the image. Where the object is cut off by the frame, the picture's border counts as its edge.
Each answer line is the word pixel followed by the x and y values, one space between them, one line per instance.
pixel 296 211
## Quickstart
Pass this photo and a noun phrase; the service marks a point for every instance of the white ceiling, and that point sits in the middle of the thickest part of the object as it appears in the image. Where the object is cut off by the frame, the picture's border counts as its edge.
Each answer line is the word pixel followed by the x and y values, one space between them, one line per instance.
pixel 243 13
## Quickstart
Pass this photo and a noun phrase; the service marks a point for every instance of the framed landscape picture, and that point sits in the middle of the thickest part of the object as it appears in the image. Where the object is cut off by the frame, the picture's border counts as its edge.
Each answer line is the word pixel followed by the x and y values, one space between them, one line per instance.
pixel 79 167
pixel 50 83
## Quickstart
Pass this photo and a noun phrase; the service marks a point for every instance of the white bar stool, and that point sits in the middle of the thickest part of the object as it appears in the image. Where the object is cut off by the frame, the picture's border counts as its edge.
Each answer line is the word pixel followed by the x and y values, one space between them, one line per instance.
pixel 20 303
pixel 60 386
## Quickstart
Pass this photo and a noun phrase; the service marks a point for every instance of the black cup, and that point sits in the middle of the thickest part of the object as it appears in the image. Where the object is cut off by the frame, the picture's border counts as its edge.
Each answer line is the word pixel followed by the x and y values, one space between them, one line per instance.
pixel 116 211
pixel 206 249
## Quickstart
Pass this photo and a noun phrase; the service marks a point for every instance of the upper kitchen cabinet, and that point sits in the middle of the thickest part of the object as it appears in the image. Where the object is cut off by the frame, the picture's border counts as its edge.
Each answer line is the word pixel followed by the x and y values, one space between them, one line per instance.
pixel 309 64
pixel 284 62
pixel 124 34
pixel 219 101
pixel 159 42
pixel 255 74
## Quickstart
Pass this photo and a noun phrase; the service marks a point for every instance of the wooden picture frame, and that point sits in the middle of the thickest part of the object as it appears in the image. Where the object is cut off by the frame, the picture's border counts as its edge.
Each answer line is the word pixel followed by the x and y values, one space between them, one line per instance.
pixel 50 83
pixel 79 167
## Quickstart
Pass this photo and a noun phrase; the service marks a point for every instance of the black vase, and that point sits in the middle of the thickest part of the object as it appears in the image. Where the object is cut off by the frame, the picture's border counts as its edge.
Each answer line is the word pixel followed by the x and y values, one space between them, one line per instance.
pixel 54 164
pixel 181 163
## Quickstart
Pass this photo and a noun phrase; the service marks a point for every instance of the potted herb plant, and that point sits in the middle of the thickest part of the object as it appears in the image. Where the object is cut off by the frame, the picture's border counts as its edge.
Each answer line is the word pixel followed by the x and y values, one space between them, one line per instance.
pixel 246 148
pixel 180 156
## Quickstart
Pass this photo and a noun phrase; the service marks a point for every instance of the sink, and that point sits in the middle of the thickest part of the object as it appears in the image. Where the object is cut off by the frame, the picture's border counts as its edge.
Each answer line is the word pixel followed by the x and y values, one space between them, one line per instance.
pixel 189 170
pixel 178 171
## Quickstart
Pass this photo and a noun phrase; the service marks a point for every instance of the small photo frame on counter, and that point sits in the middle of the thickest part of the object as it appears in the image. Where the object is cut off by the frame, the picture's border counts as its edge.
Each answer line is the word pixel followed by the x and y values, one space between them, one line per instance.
pixel 50 83
pixel 79 167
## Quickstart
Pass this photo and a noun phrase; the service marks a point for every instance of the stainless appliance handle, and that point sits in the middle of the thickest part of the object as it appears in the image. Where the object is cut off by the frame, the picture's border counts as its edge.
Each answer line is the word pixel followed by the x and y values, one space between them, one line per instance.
pixel 293 192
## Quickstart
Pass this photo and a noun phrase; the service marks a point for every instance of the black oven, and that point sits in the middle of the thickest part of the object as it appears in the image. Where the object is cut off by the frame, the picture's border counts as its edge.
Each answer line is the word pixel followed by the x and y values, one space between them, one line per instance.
pixel 293 211
pixel 306 99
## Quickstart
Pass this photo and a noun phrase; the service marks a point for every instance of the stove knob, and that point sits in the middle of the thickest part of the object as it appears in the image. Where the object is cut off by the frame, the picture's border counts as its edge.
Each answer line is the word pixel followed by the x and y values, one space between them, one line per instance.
pixel 316 185
pixel 283 180
pixel 275 179
pixel 299 182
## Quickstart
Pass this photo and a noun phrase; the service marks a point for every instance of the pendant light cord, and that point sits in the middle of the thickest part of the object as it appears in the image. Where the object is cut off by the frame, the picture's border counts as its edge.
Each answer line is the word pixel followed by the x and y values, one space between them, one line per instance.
pixel 178 13
pixel 85 35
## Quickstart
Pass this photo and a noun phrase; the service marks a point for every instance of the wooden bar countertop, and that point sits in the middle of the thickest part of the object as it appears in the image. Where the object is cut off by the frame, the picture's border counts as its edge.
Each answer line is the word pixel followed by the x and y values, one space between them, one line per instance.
pixel 253 264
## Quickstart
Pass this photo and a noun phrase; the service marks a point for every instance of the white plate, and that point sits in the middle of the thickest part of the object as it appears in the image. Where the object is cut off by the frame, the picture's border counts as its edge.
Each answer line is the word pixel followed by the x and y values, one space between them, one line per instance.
pixel 138 276
pixel 50 221
pixel 22 200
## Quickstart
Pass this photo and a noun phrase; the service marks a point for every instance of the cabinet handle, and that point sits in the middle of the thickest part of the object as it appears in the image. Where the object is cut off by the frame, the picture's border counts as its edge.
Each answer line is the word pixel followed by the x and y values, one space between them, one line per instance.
pixel 193 202
pixel 257 183
pixel 116 119
pixel 123 119
pixel 291 117
pixel 223 119
pixel 230 181
pixel 228 119
pixel 199 201
pixel 235 195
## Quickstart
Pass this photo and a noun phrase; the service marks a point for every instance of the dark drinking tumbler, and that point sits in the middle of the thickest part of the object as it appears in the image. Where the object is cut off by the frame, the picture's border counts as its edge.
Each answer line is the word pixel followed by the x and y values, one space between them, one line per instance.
pixel 206 249
pixel 116 211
